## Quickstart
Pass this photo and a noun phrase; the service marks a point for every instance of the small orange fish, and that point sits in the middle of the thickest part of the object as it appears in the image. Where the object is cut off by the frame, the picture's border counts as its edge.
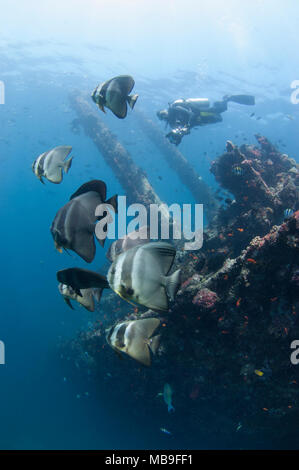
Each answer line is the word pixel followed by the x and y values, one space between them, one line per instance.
pixel 240 229
pixel 230 234
pixel 265 409
pixel 238 302
pixel 273 299
pixel 225 277
pixel 224 332
pixel 251 260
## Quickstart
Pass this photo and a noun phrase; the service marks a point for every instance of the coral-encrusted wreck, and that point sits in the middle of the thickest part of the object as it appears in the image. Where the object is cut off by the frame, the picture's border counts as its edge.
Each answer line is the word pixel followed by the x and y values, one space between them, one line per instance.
pixel 225 344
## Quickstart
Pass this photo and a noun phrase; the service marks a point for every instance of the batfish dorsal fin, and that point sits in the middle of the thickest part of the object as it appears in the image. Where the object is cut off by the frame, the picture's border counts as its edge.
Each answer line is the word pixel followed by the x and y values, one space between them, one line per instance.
pixel 79 278
pixel 141 332
pixel 163 252
pixel 113 202
pixel 125 83
pixel 97 186
pixel 147 326
pixel 62 151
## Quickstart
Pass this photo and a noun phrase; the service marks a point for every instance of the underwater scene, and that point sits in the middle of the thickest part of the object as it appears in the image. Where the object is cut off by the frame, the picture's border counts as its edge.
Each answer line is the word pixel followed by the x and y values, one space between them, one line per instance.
pixel 149 153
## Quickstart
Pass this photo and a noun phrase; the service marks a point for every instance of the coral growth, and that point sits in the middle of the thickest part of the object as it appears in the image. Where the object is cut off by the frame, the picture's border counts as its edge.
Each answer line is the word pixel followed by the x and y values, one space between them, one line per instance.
pixel 227 337
pixel 205 299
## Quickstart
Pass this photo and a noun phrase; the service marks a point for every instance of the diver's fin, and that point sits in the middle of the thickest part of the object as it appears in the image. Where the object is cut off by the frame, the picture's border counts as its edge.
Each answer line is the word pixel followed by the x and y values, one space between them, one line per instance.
pixel 172 283
pixel 164 254
pixel 132 100
pixel 68 302
pixel 67 165
pixel 94 185
pixel 241 99
pixel 113 202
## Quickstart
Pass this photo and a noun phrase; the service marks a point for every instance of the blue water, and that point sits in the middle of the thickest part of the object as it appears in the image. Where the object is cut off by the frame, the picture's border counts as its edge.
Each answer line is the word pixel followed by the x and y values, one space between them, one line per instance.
pixel 178 49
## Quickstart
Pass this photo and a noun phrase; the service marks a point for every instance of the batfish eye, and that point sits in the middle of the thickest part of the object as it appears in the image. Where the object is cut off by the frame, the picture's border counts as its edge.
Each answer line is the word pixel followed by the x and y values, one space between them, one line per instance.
pixel 129 291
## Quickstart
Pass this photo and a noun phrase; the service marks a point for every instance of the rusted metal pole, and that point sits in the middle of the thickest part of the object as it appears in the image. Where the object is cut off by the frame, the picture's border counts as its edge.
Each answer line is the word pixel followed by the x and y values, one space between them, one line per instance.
pixel 132 178
pixel 178 162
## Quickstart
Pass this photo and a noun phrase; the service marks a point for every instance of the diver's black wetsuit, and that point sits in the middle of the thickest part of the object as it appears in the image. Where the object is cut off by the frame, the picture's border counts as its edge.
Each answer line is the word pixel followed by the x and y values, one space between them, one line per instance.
pixel 183 115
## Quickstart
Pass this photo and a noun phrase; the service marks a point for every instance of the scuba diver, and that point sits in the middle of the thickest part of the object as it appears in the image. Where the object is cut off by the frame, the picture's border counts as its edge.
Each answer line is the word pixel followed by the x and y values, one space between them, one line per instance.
pixel 183 115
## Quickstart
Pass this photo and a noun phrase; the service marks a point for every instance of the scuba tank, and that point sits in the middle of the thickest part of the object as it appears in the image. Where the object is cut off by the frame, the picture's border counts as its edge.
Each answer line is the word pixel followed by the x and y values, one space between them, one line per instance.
pixel 199 103
pixel 193 103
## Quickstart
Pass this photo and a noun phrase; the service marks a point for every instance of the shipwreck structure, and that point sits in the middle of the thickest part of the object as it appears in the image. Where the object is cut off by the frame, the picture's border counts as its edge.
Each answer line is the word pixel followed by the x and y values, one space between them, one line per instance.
pixel 226 341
